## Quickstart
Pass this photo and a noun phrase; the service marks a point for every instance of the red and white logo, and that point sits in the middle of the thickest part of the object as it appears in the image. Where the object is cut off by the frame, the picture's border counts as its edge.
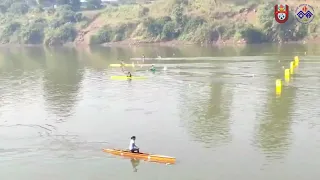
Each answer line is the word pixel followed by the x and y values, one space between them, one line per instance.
pixel 281 13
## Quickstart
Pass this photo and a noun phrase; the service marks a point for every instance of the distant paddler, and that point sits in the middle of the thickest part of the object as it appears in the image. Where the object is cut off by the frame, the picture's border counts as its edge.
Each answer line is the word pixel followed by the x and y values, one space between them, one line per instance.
pixel 153 69
pixel 129 75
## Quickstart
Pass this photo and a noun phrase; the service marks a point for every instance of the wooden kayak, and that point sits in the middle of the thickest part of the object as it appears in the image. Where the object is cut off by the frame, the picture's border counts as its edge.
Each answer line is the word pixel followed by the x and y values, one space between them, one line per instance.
pixel 119 65
pixel 127 78
pixel 142 156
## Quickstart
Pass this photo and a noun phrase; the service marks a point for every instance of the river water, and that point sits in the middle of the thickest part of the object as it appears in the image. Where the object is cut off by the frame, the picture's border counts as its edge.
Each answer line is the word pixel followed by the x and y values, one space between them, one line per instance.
pixel 220 117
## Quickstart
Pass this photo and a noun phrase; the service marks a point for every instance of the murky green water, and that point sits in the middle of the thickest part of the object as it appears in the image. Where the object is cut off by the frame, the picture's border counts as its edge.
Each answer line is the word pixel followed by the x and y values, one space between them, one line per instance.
pixel 219 118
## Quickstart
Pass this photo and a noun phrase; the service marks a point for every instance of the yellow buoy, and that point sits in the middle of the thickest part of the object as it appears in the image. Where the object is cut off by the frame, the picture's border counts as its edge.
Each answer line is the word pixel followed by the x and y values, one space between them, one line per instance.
pixel 287 75
pixel 278 86
pixel 291 67
pixel 296 61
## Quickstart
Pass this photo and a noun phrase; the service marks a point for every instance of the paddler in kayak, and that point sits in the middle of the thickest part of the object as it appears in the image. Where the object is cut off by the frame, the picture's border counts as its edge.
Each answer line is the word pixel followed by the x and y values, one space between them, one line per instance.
pixel 129 75
pixel 153 69
pixel 132 146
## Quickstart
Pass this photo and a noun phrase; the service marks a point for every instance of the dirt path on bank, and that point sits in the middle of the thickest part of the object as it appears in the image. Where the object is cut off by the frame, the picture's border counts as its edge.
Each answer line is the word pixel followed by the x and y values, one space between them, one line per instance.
pixel 84 35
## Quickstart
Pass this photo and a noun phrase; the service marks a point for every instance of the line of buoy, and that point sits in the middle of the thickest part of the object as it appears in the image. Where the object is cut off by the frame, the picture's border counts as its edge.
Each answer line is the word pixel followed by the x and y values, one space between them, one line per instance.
pixel 287 74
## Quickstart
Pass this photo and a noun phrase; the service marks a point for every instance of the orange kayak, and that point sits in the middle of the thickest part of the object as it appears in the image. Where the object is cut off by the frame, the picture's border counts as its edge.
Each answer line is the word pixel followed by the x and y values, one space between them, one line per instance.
pixel 142 156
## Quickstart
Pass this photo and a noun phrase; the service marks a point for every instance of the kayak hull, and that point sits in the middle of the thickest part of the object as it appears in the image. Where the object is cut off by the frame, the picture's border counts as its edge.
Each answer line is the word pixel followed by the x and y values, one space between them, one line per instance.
pixel 119 65
pixel 142 156
pixel 127 78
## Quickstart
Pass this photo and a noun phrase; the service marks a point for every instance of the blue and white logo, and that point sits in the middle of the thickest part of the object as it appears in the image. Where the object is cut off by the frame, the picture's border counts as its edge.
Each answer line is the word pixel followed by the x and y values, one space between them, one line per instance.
pixel 304 13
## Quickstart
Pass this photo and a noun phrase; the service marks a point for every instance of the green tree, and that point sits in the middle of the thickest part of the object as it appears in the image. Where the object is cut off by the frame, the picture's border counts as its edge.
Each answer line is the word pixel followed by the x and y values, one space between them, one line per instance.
pixel 177 13
pixel 192 24
pixel 62 2
pixel 8 31
pixel 40 2
pixel 103 36
pixel 94 4
pixel 3 9
pixel 251 34
pixel 144 11
pixel 33 33
pixel 127 1
pixel 75 4
pixel 19 8
pixel 155 26
pixel 168 31
pixel 8 3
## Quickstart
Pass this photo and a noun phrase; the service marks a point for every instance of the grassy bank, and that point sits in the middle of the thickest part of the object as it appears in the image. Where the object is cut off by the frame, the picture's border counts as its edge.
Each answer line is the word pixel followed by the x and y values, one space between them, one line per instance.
pixel 196 21
pixel 28 22
pixel 201 21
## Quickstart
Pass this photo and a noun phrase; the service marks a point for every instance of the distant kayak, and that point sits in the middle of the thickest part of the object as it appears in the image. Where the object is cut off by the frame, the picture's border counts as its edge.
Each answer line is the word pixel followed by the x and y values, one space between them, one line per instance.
pixel 142 156
pixel 128 78
pixel 119 65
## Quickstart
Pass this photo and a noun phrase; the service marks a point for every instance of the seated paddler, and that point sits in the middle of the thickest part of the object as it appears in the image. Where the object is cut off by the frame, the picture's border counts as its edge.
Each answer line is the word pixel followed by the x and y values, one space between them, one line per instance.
pixel 153 69
pixel 129 75
pixel 132 146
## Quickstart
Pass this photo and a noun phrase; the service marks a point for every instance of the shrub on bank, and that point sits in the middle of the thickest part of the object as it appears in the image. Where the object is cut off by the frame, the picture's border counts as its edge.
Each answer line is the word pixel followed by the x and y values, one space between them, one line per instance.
pixel 169 31
pixel 103 36
pixel 162 28
pixel 9 31
pixel 32 35
pixel 19 8
pixel 25 25
pixel 63 34
pixel 113 34
pixel 251 34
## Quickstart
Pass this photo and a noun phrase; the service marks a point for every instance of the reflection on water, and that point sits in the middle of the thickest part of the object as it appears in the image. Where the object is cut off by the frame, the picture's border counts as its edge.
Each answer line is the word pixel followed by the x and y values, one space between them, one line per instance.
pixel 62 81
pixel 208 115
pixel 135 163
pixel 274 131
pixel 210 124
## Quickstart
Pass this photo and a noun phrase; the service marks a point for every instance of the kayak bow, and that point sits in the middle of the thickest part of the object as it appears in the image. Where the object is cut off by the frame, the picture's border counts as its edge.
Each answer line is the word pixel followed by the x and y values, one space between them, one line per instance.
pixel 142 156
pixel 127 78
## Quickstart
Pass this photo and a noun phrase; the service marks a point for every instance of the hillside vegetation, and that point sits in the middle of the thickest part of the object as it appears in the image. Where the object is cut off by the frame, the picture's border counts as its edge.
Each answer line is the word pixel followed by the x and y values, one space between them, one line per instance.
pixel 31 22
pixel 139 21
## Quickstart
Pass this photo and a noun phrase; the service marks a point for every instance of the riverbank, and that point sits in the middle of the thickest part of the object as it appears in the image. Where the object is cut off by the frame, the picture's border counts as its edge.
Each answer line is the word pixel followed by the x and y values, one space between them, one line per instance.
pixel 160 22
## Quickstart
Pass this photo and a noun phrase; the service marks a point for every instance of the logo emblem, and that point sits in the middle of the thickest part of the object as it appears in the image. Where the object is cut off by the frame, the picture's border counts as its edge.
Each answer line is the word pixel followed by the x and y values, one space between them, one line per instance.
pixel 304 13
pixel 281 13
